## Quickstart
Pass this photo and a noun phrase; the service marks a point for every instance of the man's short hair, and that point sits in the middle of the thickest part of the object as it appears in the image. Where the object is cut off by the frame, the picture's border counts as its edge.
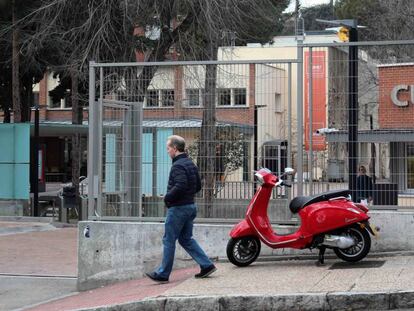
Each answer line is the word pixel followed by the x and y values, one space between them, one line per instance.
pixel 177 142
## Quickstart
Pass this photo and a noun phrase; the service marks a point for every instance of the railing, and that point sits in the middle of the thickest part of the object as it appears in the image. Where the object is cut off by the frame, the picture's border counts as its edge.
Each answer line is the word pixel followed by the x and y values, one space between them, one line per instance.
pixel 242 190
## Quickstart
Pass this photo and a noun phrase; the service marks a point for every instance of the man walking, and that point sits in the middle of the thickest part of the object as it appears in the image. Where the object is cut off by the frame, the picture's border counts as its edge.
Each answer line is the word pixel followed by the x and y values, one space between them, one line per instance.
pixel 184 182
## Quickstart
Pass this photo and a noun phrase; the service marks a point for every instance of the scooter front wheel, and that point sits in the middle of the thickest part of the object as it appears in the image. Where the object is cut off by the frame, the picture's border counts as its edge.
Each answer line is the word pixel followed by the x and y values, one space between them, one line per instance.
pixel 243 251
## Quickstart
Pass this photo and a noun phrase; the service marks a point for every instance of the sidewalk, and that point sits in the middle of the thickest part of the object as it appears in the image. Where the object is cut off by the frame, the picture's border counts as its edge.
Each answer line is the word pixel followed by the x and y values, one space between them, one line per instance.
pixel 36 268
pixel 38 261
pixel 374 277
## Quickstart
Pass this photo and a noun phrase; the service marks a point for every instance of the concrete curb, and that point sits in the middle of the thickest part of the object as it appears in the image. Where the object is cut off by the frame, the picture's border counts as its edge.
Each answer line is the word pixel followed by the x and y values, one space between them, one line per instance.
pixel 28 229
pixel 305 301
pixel 314 256
pixel 26 219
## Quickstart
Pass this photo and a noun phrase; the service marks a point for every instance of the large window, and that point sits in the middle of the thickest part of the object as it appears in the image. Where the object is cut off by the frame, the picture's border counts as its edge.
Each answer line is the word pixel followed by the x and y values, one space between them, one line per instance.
pixel 160 98
pixel 239 97
pixel 152 98
pixel 410 166
pixel 167 97
pixel 193 97
pixel 231 97
pixel 224 97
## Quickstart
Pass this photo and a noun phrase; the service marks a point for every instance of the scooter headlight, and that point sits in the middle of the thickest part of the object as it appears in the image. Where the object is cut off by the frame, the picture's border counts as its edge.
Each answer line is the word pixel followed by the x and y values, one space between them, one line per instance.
pixel 259 178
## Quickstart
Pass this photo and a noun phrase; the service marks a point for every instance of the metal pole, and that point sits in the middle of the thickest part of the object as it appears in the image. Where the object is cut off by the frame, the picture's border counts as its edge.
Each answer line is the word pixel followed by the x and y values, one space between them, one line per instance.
pixel 353 111
pixel 36 164
pixel 92 150
pixel 310 101
pixel 289 159
pixel 299 106
pixel 100 144
pixel 255 144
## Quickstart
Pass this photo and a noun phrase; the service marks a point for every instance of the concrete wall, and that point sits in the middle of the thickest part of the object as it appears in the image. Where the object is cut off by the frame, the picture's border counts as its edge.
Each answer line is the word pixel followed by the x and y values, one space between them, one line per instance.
pixel 118 251
pixel 11 207
pixel 278 210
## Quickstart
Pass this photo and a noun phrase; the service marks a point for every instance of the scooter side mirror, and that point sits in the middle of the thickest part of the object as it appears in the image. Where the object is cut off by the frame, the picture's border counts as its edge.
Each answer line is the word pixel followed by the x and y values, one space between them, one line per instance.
pixel 289 171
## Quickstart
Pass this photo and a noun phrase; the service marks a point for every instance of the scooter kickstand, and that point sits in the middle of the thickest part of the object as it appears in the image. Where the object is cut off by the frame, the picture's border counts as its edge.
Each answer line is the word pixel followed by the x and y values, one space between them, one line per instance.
pixel 321 257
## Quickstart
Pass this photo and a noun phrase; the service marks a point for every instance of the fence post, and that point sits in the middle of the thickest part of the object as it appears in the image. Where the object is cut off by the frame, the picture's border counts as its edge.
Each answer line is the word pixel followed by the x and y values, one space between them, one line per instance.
pixel 310 102
pixel 299 105
pixel 92 145
pixel 100 144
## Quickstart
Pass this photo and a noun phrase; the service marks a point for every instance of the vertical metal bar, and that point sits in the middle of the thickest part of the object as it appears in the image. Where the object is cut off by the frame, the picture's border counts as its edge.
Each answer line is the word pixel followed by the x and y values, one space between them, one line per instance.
pixel 310 101
pixel 154 161
pixel 91 141
pixel 353 112
pixel 126 141
pixel 139 154
pixel 289 151
pixel 36 164
pixel 100 142
pixel 299 103
pixel 255 144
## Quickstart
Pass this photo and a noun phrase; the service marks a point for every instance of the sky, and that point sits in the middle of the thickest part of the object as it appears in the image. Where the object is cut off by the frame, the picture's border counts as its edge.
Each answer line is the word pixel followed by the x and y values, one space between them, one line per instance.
pixel 305 3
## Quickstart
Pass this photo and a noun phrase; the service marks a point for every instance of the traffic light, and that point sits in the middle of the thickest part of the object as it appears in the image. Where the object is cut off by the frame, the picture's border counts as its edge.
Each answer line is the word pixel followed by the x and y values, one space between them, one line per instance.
pixel 343 34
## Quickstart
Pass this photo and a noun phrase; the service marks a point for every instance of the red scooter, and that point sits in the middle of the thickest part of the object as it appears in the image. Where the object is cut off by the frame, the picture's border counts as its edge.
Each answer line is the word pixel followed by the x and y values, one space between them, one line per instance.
pixel 328 220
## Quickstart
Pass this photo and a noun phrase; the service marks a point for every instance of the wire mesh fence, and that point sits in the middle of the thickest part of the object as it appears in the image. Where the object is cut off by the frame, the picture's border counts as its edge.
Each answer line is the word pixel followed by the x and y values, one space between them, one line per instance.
pixel 239 115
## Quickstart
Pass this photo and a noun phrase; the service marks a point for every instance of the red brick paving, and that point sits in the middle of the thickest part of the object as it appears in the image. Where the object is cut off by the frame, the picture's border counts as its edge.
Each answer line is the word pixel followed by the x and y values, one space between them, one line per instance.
pixel 40 253
pixel 117 293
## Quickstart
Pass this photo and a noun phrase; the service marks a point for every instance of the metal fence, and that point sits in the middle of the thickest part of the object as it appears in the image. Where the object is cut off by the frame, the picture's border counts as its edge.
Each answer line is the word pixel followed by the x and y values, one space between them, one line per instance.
pixel 237 115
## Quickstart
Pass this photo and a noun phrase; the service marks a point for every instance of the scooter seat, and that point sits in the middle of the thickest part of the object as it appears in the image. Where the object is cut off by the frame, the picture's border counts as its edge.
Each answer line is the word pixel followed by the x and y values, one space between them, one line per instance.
pixel 300 202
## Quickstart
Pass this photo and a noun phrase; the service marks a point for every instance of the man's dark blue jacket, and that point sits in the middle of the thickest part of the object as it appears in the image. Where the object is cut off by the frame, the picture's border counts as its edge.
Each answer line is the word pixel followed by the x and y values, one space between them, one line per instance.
pixel 183 183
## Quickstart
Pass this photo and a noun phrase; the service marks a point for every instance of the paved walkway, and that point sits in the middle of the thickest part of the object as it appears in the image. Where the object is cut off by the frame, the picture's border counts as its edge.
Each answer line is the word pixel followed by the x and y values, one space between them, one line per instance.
pixel 38 262
pixel 46 269
pixel 376 274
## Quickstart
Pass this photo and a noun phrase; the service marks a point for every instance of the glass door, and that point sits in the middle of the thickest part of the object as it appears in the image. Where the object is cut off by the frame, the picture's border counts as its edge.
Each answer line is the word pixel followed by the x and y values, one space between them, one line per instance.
pixel 410 166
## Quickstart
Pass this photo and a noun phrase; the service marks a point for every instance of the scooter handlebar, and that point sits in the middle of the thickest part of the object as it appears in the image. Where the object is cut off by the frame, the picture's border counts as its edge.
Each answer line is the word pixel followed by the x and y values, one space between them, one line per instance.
pixel 282 183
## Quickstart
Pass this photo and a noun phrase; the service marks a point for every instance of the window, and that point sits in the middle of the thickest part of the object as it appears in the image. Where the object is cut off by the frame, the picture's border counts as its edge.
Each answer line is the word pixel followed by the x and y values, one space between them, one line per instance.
pixel 35 98
pixel 167 98
pixel 193 97
pixel 239 97
pixel 410 166
pixel 54 102
pixel 224 97
pixel 278 103
pixel 152 98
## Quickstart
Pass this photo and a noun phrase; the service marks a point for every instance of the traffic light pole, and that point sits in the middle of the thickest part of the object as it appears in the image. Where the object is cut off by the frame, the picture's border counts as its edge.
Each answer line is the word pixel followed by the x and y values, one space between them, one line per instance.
pixel 353 112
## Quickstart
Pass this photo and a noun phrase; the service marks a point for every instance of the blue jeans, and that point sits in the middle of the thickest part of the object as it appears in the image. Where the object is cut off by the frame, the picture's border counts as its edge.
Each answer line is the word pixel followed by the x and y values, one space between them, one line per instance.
pixel 179 225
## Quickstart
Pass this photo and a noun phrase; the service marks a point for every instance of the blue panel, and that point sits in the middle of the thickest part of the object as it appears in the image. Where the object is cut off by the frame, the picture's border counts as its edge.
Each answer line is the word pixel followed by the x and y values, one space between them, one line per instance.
pixel 14 161
pixel 6 143
pixel 110 162
pixel 163 160
pixel 147 154
pixel 22 143
pixel 6 181
pixel 21 181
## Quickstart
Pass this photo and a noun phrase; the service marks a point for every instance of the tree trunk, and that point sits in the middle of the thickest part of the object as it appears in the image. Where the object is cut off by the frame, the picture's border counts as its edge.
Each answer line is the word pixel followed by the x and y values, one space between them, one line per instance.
pixel 77 118
pixel 7 117
pixel 15 68
pixel 207 147
pixel 27 100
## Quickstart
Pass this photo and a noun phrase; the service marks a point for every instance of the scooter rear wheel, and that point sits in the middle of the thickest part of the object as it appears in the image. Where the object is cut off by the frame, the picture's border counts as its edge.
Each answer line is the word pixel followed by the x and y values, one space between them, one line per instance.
pixel 243 251
pixel 360 249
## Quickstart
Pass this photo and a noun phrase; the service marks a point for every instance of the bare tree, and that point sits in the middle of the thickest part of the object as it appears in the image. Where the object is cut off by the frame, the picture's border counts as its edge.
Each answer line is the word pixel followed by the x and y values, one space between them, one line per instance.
pixel 105 30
